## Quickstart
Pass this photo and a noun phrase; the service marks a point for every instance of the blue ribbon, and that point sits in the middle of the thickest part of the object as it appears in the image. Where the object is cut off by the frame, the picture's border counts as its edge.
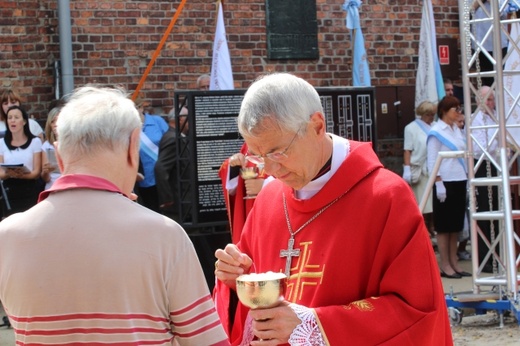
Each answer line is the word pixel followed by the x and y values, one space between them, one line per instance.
pixel 422 126
pixel 352 8
pixel 447 143
pixel 360 70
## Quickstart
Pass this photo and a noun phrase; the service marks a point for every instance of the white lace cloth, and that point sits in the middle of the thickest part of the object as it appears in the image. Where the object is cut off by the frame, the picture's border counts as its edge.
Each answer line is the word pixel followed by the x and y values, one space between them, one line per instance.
pixel 307 333
pixel 248 335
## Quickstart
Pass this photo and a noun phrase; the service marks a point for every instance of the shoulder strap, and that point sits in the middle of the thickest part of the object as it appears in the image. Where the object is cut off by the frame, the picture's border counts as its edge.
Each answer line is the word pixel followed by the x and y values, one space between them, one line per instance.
pixel 148 147
pixel 447 143
pixel 422 126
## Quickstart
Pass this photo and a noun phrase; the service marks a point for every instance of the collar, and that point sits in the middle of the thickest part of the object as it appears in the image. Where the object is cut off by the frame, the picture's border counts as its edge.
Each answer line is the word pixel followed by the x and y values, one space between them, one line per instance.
pixel 444 125
pixel 340 150
pixel 80 181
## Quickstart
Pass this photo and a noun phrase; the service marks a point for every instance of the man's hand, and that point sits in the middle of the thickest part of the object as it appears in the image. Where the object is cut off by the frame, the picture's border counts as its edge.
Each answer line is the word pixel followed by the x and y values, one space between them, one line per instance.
pixel 253 186
pixel 237 159
pixel 441 191
pixel 273 326
pixel 48 168
pixel 230 264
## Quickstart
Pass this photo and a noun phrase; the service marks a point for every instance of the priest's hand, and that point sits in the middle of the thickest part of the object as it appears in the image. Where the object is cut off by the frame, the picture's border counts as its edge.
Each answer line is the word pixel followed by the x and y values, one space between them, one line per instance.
pixel 273 326
pixel 237 159
pixel 230 264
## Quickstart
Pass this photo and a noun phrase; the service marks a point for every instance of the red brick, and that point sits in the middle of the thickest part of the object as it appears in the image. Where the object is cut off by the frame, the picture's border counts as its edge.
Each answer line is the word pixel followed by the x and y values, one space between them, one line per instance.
pixel 114 41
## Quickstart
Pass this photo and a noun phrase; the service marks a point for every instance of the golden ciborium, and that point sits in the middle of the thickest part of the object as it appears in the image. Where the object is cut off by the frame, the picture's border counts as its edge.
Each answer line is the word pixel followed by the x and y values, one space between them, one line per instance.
pixel 261 290
pixel 249 173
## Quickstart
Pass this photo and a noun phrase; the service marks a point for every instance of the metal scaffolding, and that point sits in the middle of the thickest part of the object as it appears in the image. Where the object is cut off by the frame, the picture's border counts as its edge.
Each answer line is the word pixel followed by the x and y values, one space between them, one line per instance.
pixel 497 290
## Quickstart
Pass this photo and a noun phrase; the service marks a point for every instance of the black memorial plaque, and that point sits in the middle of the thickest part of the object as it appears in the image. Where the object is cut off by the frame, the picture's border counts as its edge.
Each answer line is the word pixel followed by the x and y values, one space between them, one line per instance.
pixel 213 137
pixel 292 29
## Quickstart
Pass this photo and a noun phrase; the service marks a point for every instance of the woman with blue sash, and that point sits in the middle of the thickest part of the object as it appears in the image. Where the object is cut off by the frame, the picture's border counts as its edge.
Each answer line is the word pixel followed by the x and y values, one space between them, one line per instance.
pixel 415 170
pixel 449 191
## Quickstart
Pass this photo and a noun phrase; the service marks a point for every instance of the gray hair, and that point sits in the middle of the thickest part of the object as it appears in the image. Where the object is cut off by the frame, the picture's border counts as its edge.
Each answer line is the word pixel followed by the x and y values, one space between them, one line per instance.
pixel 483 93
pixel 96 119
pixel 287 100
pixel 202 77
pixel 171 114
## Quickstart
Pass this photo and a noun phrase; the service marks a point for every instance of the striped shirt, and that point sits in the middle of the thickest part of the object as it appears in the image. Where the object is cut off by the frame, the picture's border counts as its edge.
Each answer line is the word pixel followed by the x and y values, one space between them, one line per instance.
pixel 91 267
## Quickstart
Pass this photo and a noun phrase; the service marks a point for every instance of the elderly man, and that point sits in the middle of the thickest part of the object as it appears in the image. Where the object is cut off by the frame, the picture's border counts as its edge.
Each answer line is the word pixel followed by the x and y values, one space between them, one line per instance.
pixel 203 82
pixel 347 233
pixel 165 167
pixel 485 141
pixel 87 265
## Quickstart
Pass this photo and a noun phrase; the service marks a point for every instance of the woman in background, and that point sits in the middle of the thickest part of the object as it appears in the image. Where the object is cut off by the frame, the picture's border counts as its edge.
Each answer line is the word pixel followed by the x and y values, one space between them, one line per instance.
pixel 449 191
pixel 50 169
pixel 19 147
pixel 414 157
pixel 9 98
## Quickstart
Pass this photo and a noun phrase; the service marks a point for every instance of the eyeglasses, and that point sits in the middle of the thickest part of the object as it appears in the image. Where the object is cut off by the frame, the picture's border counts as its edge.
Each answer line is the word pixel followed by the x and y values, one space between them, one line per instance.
pixel 457 109
pixel 276 157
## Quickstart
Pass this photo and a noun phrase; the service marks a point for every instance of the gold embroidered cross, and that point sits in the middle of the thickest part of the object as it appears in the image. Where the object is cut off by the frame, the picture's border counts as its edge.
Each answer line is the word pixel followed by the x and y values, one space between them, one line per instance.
pixel 305 273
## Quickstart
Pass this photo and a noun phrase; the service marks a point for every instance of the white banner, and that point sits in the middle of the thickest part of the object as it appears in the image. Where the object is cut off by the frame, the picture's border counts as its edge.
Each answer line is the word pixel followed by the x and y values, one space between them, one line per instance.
pixel 512 84
pixel 429 85
pixel 221 72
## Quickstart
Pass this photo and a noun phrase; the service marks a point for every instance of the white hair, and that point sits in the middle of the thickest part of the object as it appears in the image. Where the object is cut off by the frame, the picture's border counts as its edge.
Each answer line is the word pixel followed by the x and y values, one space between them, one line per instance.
pixel 96 119
pixel 284 98
pixel 202 77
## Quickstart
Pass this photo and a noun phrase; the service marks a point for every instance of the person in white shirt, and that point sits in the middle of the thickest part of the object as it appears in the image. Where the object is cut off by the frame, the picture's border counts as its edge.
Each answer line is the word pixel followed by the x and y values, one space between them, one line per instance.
pixel 449 191
pixel 485 141
pixel 50 169
pixel 19 147
pixel 9 98
pixel 415 170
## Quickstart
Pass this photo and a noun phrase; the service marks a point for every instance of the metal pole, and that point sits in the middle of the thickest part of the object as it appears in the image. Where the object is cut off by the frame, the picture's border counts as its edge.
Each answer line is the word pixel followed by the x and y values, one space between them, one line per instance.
pixel 65 32
pixel 4 194
pixel 433 174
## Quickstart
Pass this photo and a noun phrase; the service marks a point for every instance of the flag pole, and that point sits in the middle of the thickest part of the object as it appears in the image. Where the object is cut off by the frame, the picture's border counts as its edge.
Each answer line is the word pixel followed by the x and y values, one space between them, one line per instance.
pixel 217 7
pixel 158 49
pixel 353 39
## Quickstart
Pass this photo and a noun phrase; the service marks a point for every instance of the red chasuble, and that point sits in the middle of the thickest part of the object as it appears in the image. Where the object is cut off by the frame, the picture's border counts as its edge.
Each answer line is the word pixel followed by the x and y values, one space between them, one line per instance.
pixel 237 206
pixel 366 264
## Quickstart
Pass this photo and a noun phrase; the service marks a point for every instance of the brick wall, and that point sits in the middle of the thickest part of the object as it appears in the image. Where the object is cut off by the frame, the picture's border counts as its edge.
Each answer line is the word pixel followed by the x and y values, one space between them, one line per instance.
pixel 113 41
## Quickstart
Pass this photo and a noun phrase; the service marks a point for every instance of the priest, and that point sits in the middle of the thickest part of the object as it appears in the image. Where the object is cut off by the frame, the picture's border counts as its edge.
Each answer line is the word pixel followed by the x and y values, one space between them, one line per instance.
pixel 347 233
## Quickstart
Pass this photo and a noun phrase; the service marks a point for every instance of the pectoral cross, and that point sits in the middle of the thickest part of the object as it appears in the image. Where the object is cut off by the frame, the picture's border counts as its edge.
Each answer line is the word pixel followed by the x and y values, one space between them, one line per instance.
pixel 289 253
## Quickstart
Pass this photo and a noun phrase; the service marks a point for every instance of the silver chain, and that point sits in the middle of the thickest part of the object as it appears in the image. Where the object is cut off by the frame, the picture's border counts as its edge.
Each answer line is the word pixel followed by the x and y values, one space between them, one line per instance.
pixel 467 29
pixel 312 218
pixel 492 234
pixel 477 59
